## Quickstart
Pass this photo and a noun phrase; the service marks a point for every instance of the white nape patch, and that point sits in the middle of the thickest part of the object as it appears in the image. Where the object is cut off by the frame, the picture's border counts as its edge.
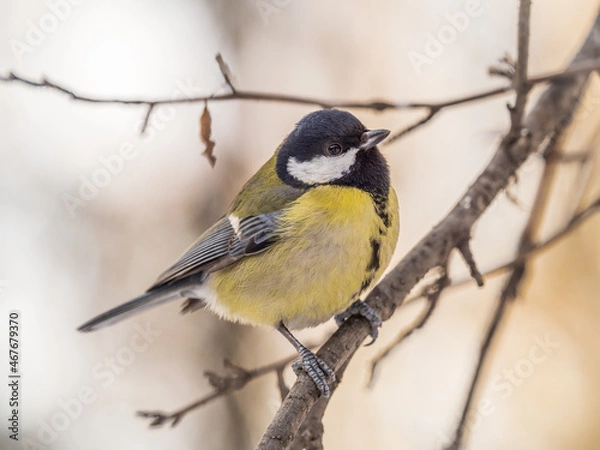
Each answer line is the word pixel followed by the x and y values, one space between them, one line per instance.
pixel 235 223
pixel 322 169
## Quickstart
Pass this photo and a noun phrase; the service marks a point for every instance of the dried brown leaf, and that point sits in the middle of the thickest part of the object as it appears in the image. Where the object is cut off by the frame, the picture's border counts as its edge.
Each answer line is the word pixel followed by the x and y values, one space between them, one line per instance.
pixel 205 136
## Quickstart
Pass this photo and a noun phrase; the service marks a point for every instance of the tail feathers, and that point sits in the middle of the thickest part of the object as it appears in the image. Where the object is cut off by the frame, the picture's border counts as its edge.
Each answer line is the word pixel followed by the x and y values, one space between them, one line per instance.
pixel 132 307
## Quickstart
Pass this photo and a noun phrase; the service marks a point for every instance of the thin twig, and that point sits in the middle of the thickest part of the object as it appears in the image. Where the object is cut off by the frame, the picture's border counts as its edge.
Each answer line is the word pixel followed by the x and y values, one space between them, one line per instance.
pixel 521 81
pixel 516 131
pixel 518 270
pixel 235 379
pixel 497 316
pixel 569 158
pixel 430 115
pixel 433 109
pixel 464 249
pixel 226 72
pixel 509 291
pixel 536 248
pixel 151 107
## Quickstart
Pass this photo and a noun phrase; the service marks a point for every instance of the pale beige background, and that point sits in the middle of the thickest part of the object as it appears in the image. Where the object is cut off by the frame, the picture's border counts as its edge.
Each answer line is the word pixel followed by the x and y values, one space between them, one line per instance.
pixel 59 269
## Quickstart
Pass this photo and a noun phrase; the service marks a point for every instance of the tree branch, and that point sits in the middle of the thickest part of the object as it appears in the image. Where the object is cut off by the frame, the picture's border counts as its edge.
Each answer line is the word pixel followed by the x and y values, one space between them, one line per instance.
pixel 510 289
pixel 235 379
pixel 517 274
pixel 555 103
pixel 582 67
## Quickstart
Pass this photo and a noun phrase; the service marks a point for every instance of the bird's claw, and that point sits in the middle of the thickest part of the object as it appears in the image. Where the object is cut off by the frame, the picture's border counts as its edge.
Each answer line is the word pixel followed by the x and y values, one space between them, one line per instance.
pixel 360 308
pixel 316 369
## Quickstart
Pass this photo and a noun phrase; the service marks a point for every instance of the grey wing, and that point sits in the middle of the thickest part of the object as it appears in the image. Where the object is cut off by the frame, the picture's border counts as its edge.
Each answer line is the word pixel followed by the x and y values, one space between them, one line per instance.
pixel 224 243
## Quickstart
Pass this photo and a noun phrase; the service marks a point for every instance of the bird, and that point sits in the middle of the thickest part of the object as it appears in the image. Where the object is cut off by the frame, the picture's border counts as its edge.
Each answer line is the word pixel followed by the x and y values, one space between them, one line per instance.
pixel 304 240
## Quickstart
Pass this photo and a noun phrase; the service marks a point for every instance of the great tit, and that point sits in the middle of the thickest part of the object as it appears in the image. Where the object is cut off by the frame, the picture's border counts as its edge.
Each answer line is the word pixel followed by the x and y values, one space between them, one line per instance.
pixel 308 235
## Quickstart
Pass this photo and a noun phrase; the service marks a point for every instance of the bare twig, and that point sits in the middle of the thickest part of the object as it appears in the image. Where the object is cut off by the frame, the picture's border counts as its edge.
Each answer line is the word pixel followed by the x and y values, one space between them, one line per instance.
pixel 497 316
pixel 533 250
pixel 536 248
pixel 569 158
pixel 433 109
pixel 519 268
pixel 147 117
pixel 508 293
pixel 464 249
pixel 430 115
pixel 521 81
pixel 558 100
pixel 225 71
pixel 235 379
pixel 510 289
pixel 507 68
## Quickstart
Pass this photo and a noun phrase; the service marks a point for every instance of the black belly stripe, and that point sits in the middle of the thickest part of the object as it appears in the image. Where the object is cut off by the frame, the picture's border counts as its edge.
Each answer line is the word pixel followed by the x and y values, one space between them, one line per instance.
pixel 375 256
pixel 373 265
pixel 380 203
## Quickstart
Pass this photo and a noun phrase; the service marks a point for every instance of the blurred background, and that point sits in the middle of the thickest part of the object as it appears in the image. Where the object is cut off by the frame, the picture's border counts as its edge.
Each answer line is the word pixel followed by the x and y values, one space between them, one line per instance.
pixel 77 239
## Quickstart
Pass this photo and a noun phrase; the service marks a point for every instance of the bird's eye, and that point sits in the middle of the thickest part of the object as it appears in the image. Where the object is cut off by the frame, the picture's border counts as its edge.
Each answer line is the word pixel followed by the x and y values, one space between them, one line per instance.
pixel 334 150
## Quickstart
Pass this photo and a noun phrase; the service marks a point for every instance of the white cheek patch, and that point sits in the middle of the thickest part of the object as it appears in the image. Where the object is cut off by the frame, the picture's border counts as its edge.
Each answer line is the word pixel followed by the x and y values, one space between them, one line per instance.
pixel 322 169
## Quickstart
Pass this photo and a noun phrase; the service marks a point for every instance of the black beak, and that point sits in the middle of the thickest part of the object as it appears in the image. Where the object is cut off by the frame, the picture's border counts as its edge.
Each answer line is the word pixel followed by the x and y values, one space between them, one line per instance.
pixel 371 138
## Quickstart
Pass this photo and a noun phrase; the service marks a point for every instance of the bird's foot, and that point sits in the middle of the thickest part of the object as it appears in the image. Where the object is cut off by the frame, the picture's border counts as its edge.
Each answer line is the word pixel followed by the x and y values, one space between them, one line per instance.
pixel 316 369
pixel 360 308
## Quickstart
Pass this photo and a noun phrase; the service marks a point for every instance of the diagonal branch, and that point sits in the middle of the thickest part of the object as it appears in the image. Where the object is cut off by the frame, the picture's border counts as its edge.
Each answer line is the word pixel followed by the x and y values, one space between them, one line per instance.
pixel 554 104
pixel 517 274
pixel 512 285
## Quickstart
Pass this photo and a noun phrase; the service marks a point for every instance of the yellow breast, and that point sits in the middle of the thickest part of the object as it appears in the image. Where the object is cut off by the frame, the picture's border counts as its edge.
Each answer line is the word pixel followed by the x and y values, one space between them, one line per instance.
pixel 335 244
